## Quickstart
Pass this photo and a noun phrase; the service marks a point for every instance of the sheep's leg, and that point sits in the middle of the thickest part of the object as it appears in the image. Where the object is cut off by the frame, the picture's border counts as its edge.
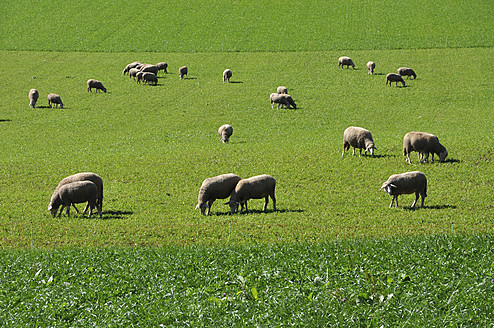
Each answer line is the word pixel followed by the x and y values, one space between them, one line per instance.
pixel 422 196
pixel 426 158
pixel 99 211
pixel 61 210
pixel 353 152
pixel 210 203
pixel 274 202
pixel 392 201
pixel 408 159
pixel 416 198
pixel 68 211
pixel 266 200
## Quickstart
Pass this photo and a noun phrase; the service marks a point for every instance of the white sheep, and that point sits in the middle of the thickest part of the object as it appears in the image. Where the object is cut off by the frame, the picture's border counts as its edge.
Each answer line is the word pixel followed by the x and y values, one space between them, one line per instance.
pixel 358 138
pixel 282 99
pixel 282 89
pixel 227 74
pixel 33 97
pixel 182 71
pixel 370 67
pixel 225 132
pixel 345 61
pixel 54 99
pixel 129 66
pixel 218 187
pixel 423 143
pixel 74 192
pixel 162 66
pixel 260 186
pixel 392 77
pixel 133 73
pixel 149 68
pixel 95 84
pixel 406 183
pixel 86 176
pixel 405 71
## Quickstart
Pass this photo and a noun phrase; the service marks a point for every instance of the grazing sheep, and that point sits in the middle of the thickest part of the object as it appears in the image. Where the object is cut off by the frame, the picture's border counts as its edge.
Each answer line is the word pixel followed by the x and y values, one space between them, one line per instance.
pixel 218 187
pixel 282 99
pixel 392 77
pixel 74 192
pixel 370 67
pixel 54 99
pixel 86 176
pixel 162 66
pixel 261 186
pixel 227 74
pixel 133 72
pixel 423 143
pixel 149 68
pixel 358 138
pixel 95 84
pixel 129 66
pixel 407 71
pixel 282 89
pixel 149 77
pixel 182 71
pixel 225 132
pixel 33 97
pixel 406 183
pixel 139 77
pixel 345 61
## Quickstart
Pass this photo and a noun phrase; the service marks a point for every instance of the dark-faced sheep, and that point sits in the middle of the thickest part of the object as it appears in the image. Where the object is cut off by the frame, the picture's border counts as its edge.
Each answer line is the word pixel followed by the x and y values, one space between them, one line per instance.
pixel 162 66
pixel 54 99
pixel 370 67
pixel 282 89
pixel 227 74
pixel 149 77
pixel 423 143
pixel 225 132
pixel 33 97
pixel 95 84
pixel 282 100
pixel 182 71
pixel 392 77
pixel 406 183
pixel 218 187
pixel 86 176
pixel 360 138
pixel 345 61
pixel 260 186
pixel 405 71
pixel 73 193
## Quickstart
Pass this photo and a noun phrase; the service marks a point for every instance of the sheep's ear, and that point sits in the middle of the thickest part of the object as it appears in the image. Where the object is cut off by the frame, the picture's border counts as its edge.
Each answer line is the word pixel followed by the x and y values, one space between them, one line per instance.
pixel 392 185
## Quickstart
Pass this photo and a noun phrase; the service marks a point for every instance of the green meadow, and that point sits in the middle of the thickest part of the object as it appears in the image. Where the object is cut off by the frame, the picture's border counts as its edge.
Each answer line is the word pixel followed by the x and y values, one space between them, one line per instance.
pixel 153 259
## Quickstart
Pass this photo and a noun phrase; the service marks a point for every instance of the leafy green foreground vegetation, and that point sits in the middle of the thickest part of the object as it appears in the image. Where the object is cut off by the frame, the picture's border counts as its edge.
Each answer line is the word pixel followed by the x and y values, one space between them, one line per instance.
pixel 440 281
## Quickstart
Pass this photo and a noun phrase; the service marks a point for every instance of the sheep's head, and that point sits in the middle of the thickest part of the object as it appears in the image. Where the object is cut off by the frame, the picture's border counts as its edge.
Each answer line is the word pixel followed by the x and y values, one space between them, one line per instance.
pixel 53 209
pixel 389 188
pixel 233 206
pixel 443 155
pixel 202 207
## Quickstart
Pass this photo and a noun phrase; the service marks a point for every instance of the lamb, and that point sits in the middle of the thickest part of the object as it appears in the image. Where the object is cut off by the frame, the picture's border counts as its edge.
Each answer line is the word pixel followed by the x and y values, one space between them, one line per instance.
pixel 342 61
pixel 282 89
pixel 133 72
pixel 407 71
pixel 260 186
pixel 358 138
pixel 225 132
pixel 149 68
pixel 95 84
pixel 129 66
pixel 149 77
pixel 392 77
pixel 74 192
pixel 227 74
pixel 33 97
pixel 86 176
pixel 406 183
pixel 370 67
pixel 282 99
pixel 425 143
pixel 54 99
pixel 162 66
pixel 218 187
pixel 182 71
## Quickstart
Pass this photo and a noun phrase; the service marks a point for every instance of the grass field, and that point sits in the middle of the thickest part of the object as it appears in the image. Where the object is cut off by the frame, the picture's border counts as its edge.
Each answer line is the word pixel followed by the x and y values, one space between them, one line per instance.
pixel 333 254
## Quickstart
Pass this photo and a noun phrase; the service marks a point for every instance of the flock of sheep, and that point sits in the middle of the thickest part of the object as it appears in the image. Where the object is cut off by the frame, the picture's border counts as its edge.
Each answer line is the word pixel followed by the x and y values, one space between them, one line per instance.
pixel 88 186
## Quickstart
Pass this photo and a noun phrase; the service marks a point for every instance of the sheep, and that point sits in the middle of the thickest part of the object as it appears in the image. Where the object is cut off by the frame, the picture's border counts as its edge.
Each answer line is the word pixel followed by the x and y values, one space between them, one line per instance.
pixel 133 72
pixel 218 187
pixel 129 66
pixel 227 74
pixel 342 61
pixel 358 138
pixel 370 67
pixel 149 68
pixel 282 99
pixel 33 97
pixel 95 84
pixel 407 71
pixel 139 77
pixel 260 186
pixel 74 192
pixel 182 71
pixel 54 99
pixel 282 89
pixel 406 183
pixel 392 77
pixel 86 176
pixel 225 132
pixel 423 143
pixel 162 66
pixel 149 77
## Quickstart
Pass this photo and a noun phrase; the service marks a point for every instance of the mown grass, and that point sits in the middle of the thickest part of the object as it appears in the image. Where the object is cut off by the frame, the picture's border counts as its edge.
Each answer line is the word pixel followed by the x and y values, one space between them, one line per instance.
pixel 443 281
